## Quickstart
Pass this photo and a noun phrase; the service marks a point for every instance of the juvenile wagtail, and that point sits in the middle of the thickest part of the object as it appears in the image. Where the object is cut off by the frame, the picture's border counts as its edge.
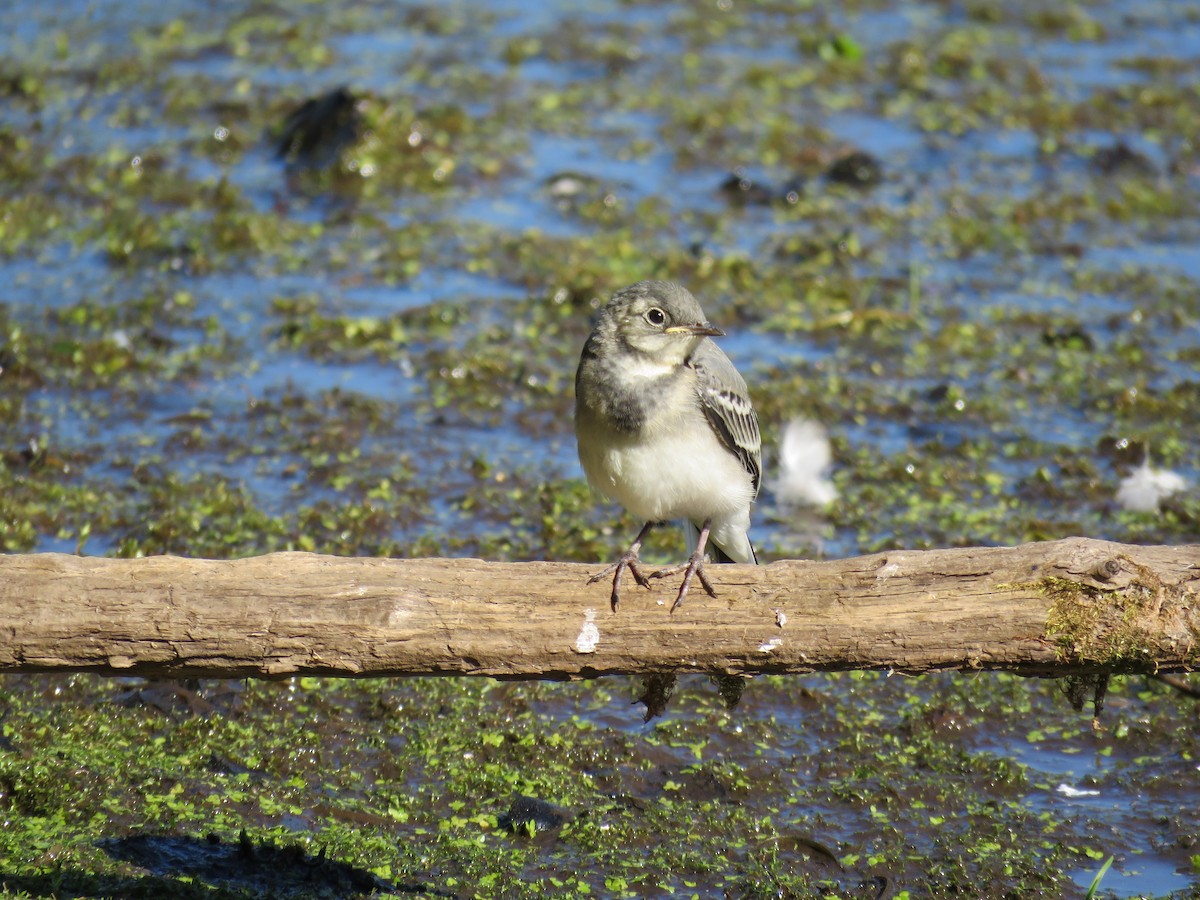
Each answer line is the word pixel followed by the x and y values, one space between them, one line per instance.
pixel 665 428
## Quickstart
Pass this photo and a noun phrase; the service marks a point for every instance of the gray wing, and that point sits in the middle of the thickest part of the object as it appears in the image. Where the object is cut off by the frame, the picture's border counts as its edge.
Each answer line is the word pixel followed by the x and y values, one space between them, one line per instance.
pixel 726 403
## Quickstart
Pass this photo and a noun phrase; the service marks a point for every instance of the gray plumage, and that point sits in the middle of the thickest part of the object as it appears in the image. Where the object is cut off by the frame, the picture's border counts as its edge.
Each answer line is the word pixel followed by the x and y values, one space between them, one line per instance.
pixel 664 421
pixel 726 402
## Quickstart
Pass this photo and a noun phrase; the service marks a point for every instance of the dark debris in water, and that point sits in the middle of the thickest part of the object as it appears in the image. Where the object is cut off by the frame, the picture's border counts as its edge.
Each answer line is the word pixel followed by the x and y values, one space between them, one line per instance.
pixel 184 697
pixel 531 814
pixel 1120 158
pixel 1069 337
pixel 1121 450
pixel 857 169
pixel 262 868
pixel 730 689
pixel 1082 688
pixel 367 349
pixel 223 765
pixel 319 129
pixel 254 869
pixel 742 189
pixel 656 693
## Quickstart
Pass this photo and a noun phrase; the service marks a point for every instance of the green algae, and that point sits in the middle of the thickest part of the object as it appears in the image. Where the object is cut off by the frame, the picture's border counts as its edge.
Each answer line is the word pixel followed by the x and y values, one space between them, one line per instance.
pixel 407 781
pixel 1114 630
pixel 150 298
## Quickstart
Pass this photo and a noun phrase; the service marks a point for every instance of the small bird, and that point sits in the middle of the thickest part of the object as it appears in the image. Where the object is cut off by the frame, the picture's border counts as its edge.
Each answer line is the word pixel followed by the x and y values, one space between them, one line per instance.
pixel 665 427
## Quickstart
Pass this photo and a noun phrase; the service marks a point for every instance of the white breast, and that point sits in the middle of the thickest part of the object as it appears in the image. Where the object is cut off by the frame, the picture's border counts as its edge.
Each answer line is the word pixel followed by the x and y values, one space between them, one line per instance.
pixel 677 469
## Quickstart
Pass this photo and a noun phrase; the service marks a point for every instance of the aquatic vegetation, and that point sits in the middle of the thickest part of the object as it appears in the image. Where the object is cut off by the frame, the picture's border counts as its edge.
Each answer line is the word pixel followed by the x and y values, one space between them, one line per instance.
pixel 963 241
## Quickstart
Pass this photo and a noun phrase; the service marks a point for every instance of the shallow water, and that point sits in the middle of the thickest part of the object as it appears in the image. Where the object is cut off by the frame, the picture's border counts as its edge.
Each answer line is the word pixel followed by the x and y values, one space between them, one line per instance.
pixel 184 311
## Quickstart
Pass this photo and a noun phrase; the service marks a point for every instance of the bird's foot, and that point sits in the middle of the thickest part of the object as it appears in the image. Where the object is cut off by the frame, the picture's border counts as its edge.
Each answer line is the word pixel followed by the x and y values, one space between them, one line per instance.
pixel 629 560
pixel 693 568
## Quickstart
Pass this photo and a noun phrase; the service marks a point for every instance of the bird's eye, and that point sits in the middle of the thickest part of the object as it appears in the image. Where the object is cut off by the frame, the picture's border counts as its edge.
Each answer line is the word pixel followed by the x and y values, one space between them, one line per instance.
pixel 656 317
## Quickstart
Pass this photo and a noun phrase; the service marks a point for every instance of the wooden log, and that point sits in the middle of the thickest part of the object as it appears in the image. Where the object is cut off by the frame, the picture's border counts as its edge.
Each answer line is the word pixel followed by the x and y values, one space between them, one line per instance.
pixel 1072 606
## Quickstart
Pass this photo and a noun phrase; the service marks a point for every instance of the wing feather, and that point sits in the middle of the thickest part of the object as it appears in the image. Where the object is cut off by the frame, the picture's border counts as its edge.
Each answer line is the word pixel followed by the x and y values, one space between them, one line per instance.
pixel 726 403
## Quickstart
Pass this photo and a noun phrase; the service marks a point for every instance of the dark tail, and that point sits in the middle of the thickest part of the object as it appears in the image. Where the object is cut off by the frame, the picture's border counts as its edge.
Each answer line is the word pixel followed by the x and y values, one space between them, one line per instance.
pixel 691 533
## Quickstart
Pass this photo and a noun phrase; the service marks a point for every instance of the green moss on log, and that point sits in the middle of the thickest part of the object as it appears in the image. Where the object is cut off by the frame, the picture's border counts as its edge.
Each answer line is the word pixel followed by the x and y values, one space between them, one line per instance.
pixel 1121 629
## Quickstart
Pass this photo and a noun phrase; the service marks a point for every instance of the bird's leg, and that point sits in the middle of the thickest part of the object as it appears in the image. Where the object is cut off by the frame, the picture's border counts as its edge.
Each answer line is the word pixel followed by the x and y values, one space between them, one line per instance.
pixel 629 560
pixel 694 567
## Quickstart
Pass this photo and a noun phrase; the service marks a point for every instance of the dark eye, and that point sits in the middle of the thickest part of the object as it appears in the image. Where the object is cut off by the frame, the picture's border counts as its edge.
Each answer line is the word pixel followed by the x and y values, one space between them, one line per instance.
pixel 656 317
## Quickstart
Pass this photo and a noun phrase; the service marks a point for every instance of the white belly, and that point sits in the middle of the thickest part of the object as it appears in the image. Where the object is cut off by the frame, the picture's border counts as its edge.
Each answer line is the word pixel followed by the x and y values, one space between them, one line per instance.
pixel 673 479
pixel 676 472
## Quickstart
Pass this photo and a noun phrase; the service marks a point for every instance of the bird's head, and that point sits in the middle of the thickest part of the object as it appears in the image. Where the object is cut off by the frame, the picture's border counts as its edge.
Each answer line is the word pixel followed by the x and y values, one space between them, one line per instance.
pixel 658 320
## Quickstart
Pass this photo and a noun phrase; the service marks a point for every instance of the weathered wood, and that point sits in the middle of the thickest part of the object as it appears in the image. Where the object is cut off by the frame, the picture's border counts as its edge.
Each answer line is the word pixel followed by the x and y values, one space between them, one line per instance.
pixel 1057 608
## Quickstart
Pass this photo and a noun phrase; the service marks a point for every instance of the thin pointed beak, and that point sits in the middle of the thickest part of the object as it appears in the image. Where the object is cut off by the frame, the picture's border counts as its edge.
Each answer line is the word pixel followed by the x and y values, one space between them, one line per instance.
pixel 700 329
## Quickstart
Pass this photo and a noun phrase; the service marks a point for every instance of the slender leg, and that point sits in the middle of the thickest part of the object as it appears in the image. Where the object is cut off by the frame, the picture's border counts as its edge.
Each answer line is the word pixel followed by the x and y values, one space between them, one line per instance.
pixel 694 567
pixel 629 560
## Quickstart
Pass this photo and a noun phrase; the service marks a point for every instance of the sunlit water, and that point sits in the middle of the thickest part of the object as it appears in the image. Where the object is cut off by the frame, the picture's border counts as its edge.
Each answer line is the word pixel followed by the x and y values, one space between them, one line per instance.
pixel 1068 780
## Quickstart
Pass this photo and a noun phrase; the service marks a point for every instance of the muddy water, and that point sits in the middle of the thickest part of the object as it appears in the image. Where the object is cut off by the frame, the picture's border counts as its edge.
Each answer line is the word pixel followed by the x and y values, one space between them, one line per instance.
pixel 367 346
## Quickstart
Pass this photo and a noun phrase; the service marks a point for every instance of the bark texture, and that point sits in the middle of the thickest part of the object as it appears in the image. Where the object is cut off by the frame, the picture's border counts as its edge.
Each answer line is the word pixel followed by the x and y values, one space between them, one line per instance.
pixel 1066 607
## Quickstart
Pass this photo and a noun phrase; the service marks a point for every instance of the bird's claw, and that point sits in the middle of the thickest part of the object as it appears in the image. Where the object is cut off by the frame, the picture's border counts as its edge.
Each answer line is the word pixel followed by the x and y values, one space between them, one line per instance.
pixel 629 560
pixel 694 567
